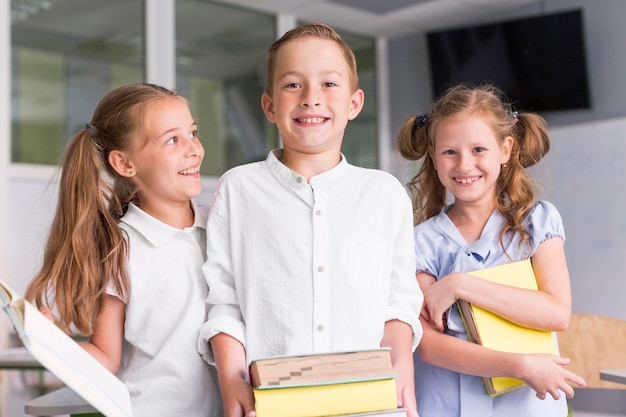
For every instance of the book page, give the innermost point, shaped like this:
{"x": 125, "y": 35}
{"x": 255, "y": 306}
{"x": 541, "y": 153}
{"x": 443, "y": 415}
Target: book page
{"x": 7, "y": 296}
{"x": 68, "y": 361}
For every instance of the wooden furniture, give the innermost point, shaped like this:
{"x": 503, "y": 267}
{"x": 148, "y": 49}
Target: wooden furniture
{"x": 596, "y": 345}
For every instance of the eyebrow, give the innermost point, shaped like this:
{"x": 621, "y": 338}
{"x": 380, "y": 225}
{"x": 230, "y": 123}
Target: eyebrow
{"x": 167, "y": 132}
{"x": 324, "y": 73}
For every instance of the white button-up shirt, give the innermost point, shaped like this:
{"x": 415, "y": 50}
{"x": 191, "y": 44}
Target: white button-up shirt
{"x": 296, "y": 267}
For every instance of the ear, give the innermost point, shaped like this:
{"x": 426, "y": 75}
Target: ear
{"x": 505, "y": 150}
{"x": 267, "y": 104}
{"x": 356, "y": 104}
{"x": 122, "y": 164}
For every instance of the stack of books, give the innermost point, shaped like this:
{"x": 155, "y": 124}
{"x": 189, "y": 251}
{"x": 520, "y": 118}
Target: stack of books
{"x": 357, "y": 383}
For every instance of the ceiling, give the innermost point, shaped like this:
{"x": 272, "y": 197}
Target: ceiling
{"x": 390, "y": 17}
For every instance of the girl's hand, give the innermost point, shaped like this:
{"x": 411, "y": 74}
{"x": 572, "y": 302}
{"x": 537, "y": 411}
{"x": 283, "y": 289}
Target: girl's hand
{"x": 545, "y": 374}
{"x": 439, "y": 297}
{"x": 424, "y": 313}
{"x": 47, "y": 313}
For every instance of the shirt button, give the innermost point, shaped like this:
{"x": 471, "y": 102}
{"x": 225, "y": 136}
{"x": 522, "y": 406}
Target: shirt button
{"x": 320, "y": 268}
{"x": 320, "y": 328}
{"x": 318, "y": 212}
{"x": 192, "y": 249}
{"x": 299, "y": 180}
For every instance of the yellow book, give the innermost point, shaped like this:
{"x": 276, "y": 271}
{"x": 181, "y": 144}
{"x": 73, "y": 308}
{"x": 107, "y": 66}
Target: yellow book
{"x": 497, "y": 333}
{"x": 316, "y": 400}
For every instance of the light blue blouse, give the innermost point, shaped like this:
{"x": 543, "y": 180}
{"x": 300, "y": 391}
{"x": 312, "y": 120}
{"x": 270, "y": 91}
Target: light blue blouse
{"x": 440, "y": 249}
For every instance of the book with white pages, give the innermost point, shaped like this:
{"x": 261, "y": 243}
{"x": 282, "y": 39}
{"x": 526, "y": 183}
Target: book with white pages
{"x": 60, "y": 354}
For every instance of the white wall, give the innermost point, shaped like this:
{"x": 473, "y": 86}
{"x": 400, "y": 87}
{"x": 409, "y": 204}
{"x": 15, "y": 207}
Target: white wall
{"x": 583, "y": 175}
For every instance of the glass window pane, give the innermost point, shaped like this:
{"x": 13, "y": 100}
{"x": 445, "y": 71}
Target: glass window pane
{"x": 220, "y": 67}
{"x": 360, "y": 142}
{"x": 65, "y": 55}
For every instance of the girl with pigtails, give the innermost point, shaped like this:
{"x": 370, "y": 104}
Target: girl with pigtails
{"x": 475, "y": 207}
{"x": 123, "y": 260}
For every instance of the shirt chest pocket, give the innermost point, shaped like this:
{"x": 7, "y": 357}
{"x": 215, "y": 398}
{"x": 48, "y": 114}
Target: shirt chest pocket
{"x": 364, "y": 262}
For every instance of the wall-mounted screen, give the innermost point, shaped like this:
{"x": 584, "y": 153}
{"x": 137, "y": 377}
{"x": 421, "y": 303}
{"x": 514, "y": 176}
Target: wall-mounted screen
{"x": 539, "y": 62}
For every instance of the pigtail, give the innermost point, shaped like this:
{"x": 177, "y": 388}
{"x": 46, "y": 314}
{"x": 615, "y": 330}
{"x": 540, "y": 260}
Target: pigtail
{"x": 516, "y": 188}
{"x": 413, "y": 142}
{"x": 533, "y": 139}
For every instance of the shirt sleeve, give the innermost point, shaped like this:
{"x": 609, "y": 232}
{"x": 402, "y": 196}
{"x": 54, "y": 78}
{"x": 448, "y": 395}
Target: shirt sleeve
{"x": 406, "y": 298}
{"x": 111, "y": 290}
{"x": 223, "y": 310}
{"x": 425, "y": 249}
{"x": 545, "y": 223}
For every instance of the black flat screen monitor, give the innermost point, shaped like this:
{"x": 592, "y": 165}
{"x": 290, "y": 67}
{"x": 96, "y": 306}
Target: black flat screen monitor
{"x": 539, "y": 62}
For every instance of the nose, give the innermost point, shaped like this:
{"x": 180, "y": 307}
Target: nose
{"x": 194, "y": 148}
{"x": 464, "y": 161}
{"x": 310, "y": 98}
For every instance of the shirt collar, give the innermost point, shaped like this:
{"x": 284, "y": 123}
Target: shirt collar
{"x": 481, "y": 249}
{"x": 154, "y": 230}
{"x": 295, "y": 179}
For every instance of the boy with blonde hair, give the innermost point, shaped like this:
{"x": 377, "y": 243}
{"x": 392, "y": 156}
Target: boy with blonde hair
{"x": 307, "y": 253}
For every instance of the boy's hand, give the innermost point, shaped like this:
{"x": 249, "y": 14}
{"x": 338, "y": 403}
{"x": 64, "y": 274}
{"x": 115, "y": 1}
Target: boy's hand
{"x": 398, "y": 336}
{"x": 237, "y": 394}
{"x": 238, "y": 399}
{"x": 406, "y": 398}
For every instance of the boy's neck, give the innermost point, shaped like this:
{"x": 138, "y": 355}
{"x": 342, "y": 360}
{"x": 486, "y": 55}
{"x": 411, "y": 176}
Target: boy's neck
{"x": 309, "y": 165}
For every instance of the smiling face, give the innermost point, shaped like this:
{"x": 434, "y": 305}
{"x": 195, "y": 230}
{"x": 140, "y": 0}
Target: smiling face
{"x": 468, "y": 157}
{"x": 312, "y": 99}
{"x": 165, "y": 161}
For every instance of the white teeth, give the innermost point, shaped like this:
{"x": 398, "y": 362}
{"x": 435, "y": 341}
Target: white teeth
{"x": 467, "y": 180}
{"x": 189, "y": 171}
{"x": 311, "y": 120}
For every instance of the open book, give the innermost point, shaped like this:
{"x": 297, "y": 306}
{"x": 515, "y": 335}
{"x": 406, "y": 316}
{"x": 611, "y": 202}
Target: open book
{"x": 64, "y": 357}
{"x": 497, "y": 333}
